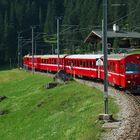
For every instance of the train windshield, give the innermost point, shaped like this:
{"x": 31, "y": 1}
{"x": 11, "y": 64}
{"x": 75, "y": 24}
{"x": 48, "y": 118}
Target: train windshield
{"x": 132, "y": 68}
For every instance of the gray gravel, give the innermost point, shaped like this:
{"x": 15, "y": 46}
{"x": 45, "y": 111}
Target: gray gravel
{"x": 129, "y": 115}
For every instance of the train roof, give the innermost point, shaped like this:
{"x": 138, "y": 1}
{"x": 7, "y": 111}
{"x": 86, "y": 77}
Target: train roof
{"x": 52, "y": 56}
{"x": 46, "y": 56}
{"x": 97, "y": 56}
{"x": 117, "y": 56}
{"x": 30, "y": 56}
{"x": 85, "y": 56}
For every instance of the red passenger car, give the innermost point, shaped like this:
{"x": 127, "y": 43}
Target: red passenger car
{"x": 28, "y": 62}
{"x": 83, "y": 65}
{"x": 123, "y": 70}
{"x": 50, "y": 62}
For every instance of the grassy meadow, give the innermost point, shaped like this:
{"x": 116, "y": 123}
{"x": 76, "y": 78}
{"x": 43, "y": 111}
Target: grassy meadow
{"x": 66, "y": 112}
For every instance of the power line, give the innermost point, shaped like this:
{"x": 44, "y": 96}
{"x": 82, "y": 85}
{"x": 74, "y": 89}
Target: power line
{"x": 131, "y": 12}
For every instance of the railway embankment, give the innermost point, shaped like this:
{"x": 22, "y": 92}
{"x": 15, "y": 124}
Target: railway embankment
{"x": 127, "y": 123}
{"x": 127, "y": 126}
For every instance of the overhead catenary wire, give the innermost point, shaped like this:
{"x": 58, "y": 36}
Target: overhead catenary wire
{"x": 131, "y": 12}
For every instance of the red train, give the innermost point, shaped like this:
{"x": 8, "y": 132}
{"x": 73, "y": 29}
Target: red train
{"x": 123, "y": 70}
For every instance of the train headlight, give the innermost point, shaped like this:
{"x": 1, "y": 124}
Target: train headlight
{"x": 128, "y": 82}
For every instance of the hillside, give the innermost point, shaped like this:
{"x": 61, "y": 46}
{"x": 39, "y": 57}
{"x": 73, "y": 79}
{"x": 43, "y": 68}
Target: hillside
{"x": 65, "y": 112}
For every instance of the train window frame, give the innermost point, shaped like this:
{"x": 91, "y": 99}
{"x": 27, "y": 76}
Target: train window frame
{"x": 73, "y": 62}
{"x": 86, "y": 64}
{"x": 78, "y": 63}
{"x": 60, "y": 61}
{"x": 132, "y": 71}
{"x": 81, "y": 63}
{"x": 55, "y": 61}
{"x": 111, "y": 66}
{"x": 122, "y": 68}
{"x": 90, "y": 64}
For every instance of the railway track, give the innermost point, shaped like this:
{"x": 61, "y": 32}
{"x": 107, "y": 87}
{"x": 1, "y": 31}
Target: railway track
{"x": 135, "y": 105}
{"x": 136, "y": 98}
{"x": 129, "y": 115}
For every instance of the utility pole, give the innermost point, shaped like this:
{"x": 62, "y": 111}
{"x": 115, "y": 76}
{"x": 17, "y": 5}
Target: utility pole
{"x": 102, "y": 35}
{"x": 58, "y": 43}
{"x": 19, "y": 50}
{"x": 32, "y": 27}
{"x": 10, "y": 63}
{"x": 52, "y": 49}
{"x": 105, "y": 56}
{"x": 105, "y": 116}
{"x": 35, "y": 46}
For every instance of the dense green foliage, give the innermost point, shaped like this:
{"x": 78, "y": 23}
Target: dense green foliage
{"x": 66, "y": 112}
{"x": 19, "y": 15}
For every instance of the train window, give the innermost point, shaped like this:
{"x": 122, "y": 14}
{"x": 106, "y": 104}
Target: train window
{"x": 61, "y": 61}
{"x": 49, "y": 61}
{"x": 69, "y": 62}
{"x": 81, "y": 63}
{"x": 90, "y": 63}
{"x": 111, "y": 66}
{"x": 121, "y": 68}
{"x": 86, "y": 64}
{"x": 54, "y": 61}
{"x": 94, "y": 64}
{"x": 77, "y": 63}
{"x": 132, "y": 68}
{"x": 74, "y": 63}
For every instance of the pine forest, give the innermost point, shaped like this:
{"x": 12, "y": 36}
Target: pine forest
{"x": 77, "y": 19}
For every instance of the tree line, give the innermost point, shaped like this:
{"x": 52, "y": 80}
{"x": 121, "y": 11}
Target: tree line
{"x": 78, "y": 18}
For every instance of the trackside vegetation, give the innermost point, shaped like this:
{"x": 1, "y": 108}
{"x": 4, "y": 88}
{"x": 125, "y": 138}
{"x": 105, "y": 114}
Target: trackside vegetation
{"x": 66, "y": 112}
{"x": 137, "y": 51}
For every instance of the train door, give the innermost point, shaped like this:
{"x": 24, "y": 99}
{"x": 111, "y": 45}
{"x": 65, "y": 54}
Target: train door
{"x": 99, "y": 63}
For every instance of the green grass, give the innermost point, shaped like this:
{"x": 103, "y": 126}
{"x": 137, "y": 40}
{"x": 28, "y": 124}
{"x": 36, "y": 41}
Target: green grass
{"x": 66, "y": 112}
{"x": 135, "y": 51}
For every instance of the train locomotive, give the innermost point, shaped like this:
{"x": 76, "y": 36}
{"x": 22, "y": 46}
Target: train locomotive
{"x": 123, "y": 69}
